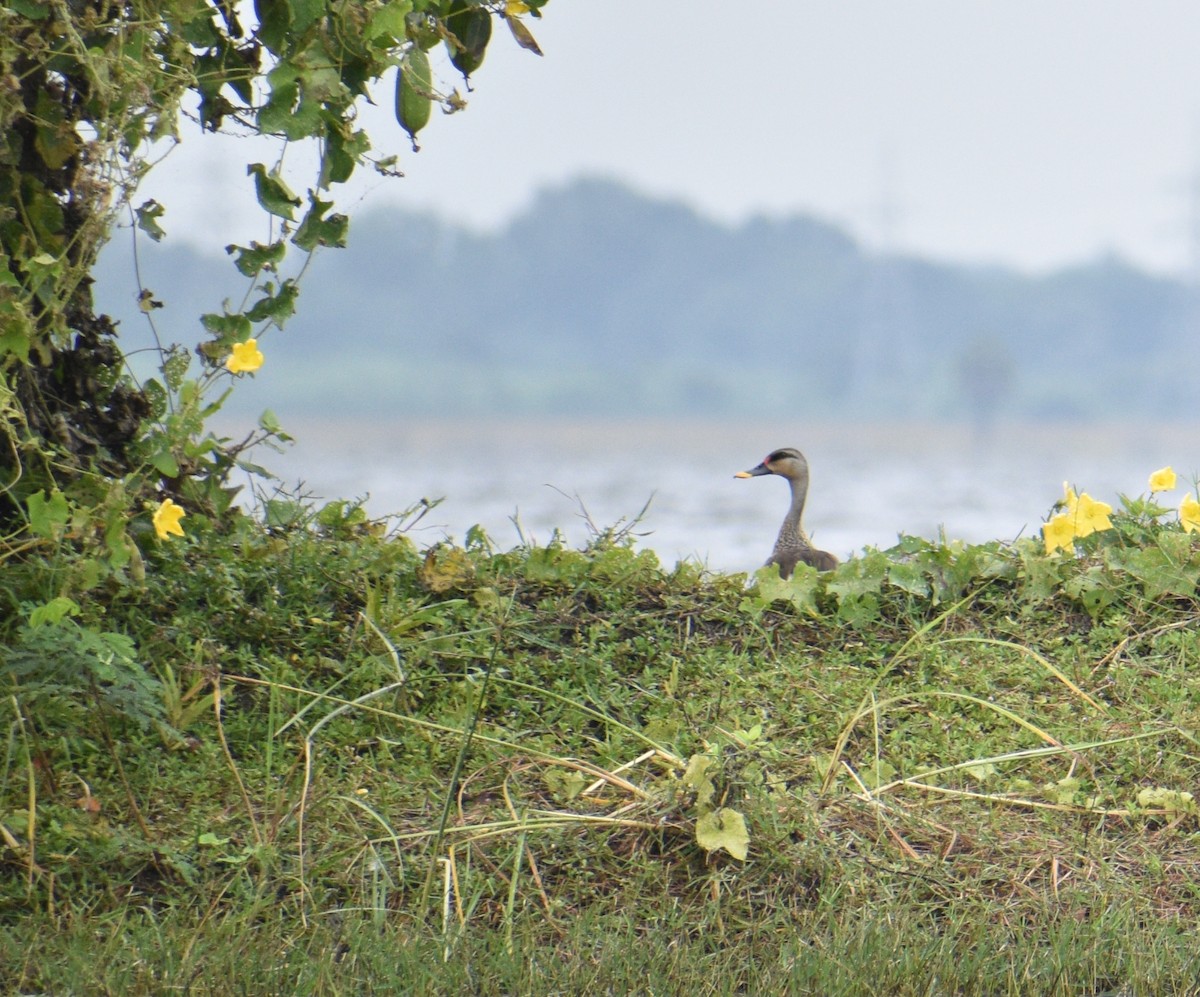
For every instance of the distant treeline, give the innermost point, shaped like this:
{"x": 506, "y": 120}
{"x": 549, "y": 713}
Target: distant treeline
{"x": 600, "y": 301}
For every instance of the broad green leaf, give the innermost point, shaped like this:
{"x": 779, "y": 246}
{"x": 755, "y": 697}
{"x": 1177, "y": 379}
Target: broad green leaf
{"x": 53, "y": 611}
{"x": 15, "y": 331}
{"x": 285, "y": 512}
{"x": 165, "y": 464}
{"x": 909, "y": 577}
{"x": 800, "y": 590}
{"x": 344, "y": 149}
{"x": 388, "y": 24}
{"x": 305, "y": 12}
{"x": 316, "y": 230}
{"x": 35, "y": 10}
{"x": 724, "y": 828}
{"x": 275, "y": 116}
{"x": 859, "y": 577}
{"x": 274, "y": 20}
{"x": 55, "y": 138}
{"x": 257, "y": 257}
{"x": 981, "y": 771}
{"x": 322, "y": 83}
{"x": 48, "y": 515}
{"x": 278, "y": 306}
{"x": 227, "y": 328}
{"x": 148, "y": 215}
{"x": 876, "y": 773}
{"x": 565, "y": 785}
{"x": 273, "y": 194}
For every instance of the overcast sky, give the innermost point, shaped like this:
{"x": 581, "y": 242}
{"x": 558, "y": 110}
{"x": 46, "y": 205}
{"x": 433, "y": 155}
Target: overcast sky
{"x": 1037, "y": 133}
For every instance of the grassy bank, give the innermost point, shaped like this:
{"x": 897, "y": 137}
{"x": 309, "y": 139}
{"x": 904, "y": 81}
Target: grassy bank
{"x": 311, "y": 759}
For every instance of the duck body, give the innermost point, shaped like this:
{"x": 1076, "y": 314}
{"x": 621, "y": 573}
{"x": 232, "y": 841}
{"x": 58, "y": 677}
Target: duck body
{"x": 792, "y": 546}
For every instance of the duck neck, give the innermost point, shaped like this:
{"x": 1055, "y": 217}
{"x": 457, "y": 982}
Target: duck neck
{"x": 791, "y": 534}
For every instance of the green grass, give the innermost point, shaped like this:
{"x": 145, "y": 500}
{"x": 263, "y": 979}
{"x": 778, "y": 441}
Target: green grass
{"x": 353, "y": 768}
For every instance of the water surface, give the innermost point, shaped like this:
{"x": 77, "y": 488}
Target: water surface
{"x": 869, "y": 483}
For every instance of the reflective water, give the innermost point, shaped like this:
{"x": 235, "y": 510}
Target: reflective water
{"x": 869, "y": 483}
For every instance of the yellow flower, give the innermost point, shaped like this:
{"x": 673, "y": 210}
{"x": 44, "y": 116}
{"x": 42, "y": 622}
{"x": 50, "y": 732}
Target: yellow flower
{"x": 246, "y": 357}
{"x": 1162, "y": 480}
{"x": 1059, "y": 534}
{"x": 1091, "y": 516}
{"x": 1189, "y": 513}
{"x": 166, "y": 519}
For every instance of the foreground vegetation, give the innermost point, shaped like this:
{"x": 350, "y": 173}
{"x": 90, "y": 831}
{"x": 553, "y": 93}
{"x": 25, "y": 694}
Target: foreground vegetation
{"x": 292, "y": 754}
{"x": 305, "y": 757}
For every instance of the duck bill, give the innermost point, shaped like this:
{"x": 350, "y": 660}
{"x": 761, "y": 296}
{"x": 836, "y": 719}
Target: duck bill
{"x": 754, "y": 472}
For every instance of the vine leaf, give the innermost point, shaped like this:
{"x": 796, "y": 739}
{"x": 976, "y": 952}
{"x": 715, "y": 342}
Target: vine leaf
{"x": 724, "y": 828}
{"x": 316, "y": 230}
{"x": 257, "y": 257}
{"x": 147, "y": 219}
{"x": 273, "y": 194}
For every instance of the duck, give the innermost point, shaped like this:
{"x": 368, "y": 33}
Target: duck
{"x": 792, "y": 545}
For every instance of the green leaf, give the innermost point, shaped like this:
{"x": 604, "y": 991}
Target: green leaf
{"x": 800, "y": 590}
{"x": 273, "y": 194}
{"x": 724, "y": 828}
{"x": 165, "y": 464}
{"x": 696, "y": 777}
{"x": 565, "y": 786}
{"x": 859, "y": 577}
{"x": 285, "y": 512}
{"x": 305, "y": 13}
{"x": 909, "y": 578}
{"x": 277, "y": 306}
{"x": 250, "y": 261}
{"x": 876, "y": 773}
{"x": 1161, "y": 572}
{"x": 982, "y": 771}
{"x": 274, "y": 19}
{"x": 227, "y": 328}
{"x": 7, "y": 277}
{"x": 1093, "y": 588}
{"x": 388, "y": 23}
{"x": 15, "y": 330}
{"x": 35, "y": 10}
{"x": 53, "y": 611}
{"x": 147, "y": 219}
{"x": 48, "y": 515}
{"x": 344, "y": 150}
{"x": 316, "y": 230}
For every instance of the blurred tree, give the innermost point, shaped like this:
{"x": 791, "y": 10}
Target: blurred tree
{"x": 986, "y": 373}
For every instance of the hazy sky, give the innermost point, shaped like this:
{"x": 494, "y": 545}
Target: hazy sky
{"x": 1031, "y": 132}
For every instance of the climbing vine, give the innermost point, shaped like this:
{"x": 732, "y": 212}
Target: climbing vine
{"x": 93, "y": 93}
